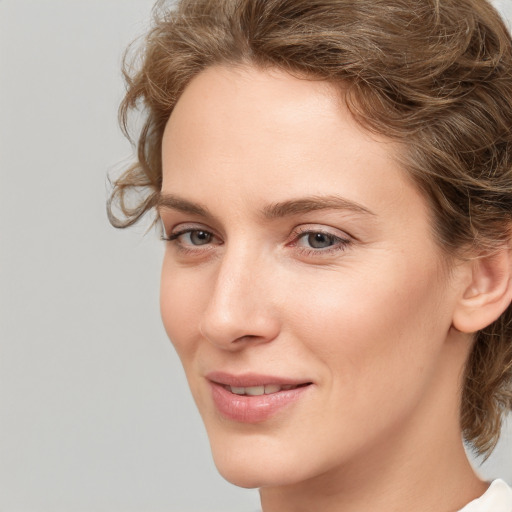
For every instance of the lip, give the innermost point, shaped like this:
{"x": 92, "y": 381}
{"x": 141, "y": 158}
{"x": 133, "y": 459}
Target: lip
{"x": 253, "y": 409}
{"x": 252, "y": 379}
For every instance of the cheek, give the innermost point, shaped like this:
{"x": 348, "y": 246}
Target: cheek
{"x": 180, "y": 308}
{"x": 373, "y": 330}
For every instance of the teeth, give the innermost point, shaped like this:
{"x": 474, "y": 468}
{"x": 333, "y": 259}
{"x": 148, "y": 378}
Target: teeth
{"x": 255, "y": 390}
{"x": 259, "y": 390}
{"x": 272, "y": 388}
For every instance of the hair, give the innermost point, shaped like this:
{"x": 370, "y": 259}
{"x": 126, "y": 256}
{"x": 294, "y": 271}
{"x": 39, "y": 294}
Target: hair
{"x": 433, "y": 75}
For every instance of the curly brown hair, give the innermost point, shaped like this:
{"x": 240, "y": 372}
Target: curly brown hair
{"x": 434, "y": 75}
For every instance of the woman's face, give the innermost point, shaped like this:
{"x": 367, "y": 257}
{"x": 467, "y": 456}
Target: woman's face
{"x": 301, "y": 287}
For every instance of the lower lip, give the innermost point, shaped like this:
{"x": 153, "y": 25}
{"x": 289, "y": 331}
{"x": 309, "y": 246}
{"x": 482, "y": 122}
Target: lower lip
{"x": 253, "y": 409}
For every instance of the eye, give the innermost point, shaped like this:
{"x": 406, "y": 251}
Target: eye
{"x": 192, "y": 237}
{"x": 319, "y": 240}
{"x": 312, "y": 241}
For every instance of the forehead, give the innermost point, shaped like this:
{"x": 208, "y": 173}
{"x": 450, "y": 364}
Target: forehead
{"x": 251, "y": 121}
{"x": 249, "y": 87}
{"x": 231, "y": 96}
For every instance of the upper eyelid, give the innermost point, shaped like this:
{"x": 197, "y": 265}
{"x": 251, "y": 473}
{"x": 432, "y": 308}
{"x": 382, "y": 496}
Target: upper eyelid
{"x": 173, "y": 235}
{"x": 326, "y": 230}
{"x": 325, "y": 233}
{"x": 183, "y": 227}
{"x": 337, "y": 241}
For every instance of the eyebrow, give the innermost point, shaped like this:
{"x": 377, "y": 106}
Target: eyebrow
{"x": 172, "y": 202}
{"x": 311, "y": 204}
{"x": 287, "y": 208}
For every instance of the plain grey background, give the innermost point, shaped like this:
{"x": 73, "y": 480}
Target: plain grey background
{"x": 95, "y": 414}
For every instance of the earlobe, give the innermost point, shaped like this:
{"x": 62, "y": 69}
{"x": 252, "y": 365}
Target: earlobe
{"x": 488, "y": 293}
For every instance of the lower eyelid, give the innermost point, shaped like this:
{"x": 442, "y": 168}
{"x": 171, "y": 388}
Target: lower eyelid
{"x": 335, "y": 243}
{"x": 323, "y": 253}
{"x": 177, "y": 234}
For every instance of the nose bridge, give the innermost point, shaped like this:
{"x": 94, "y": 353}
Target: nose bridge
{"x": 240, "y": 305}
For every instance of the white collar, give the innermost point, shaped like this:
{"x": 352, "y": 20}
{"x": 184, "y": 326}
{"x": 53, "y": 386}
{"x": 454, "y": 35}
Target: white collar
{"x": 497, "y": 498}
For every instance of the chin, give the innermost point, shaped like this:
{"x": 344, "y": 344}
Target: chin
{"x": 256, "y": 462}
{"x": 243, "y": 474}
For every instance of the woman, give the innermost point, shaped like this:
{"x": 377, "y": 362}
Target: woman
{"x": 334, "y": 182}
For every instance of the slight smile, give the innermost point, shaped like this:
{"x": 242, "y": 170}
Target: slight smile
{"x": 252, "y": 398}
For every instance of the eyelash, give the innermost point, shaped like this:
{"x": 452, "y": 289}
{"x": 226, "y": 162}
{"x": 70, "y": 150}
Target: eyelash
{"x": 184, "y": 248}
{"x": 338, "y": 243}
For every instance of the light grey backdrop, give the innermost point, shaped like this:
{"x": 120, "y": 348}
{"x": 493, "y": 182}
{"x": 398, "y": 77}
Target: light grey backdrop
{"x": 95, "y": 414}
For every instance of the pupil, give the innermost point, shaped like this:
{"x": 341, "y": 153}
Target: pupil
{"x": 319, "y": 240}
{"x": 200, "y": 237}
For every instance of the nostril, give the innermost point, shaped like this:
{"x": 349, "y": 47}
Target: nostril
{"x": 246, "y": 337}
{"x": 232, "y": 324}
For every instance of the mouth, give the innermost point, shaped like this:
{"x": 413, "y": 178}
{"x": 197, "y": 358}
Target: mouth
{"x": 254, "y": 398}
{"x": 267, "y": 389}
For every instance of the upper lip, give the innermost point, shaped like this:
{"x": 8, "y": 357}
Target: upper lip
{"x": 246, "y": 380}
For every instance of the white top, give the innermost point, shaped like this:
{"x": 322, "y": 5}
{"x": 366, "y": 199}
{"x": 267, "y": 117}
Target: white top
{"x": 498, "y": 498}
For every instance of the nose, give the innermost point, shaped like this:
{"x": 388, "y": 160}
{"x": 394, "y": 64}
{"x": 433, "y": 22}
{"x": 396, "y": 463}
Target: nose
{"x": 241, "y": 308}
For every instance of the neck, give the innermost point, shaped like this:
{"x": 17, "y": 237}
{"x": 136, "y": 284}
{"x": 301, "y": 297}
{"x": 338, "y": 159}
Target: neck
{"x": 422, "y": 466}
{"x": 436, "y": 479}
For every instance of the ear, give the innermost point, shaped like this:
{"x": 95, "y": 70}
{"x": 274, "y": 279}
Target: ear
{"x": 488, "y": 293}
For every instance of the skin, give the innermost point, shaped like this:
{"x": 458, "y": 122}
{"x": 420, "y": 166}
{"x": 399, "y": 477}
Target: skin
{"x": 367, "y": 320}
